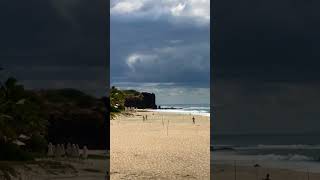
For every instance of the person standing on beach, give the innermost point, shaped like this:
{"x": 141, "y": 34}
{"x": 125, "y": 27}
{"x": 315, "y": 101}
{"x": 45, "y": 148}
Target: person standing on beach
{"x": 69, "y": 150}
{"x": 84, "y": 152}
{"x": 77, "y": 151}
{"x": 50, "y": 150}
{"x": 143, "y": 118}
{"x": 146, "y": 117}
{"x": 193, "y": 120}
{"x": 63, "y": 151}
{"x": 267, "y": 177}
{"x": 58, "y": 151}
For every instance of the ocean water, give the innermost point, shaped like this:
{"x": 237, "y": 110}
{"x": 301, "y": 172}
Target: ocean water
{"x": 296, "y": 152}
{"x": 193, "y": 109}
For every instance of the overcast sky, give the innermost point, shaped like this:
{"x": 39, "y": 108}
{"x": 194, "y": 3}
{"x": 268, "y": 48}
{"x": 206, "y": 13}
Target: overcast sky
{"x": 162, "y": 47}
{"x": 55, "y": 43}
{"x": 266, "y": 67}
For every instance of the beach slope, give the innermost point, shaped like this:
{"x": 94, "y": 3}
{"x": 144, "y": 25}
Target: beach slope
{"x": 165, "y": 146}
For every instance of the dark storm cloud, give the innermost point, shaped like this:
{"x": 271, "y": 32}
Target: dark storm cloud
{"x": 266, "y": 107}
{"x": 266, "y": 64}
{"x": 55, "y": 40}
{"x": 162, "y": 47}
{"x": 271, "y": 40}
{"x": 159, "y": 52}
{"x": 144, "y": 51}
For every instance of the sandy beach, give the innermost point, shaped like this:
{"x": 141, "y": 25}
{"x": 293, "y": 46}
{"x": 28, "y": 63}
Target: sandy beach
{"x": 165, "y": 146}
{"x": 93, "y": 168}
{"x": 228, "y": 172}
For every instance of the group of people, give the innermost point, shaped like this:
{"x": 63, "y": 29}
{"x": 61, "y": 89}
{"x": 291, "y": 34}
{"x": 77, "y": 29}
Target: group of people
{"x": 129, "y": 108}
{"x": 144, "y": 118}
{"x": 70, "y": 151}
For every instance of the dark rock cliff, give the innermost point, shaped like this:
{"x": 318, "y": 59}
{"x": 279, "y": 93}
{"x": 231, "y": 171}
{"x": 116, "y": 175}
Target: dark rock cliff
{"x": 142, "y": 101}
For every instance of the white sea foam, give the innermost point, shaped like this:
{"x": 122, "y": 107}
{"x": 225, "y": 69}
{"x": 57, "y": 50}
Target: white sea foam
{"x": 297, "y": 162}
{"x": 231, "y": 156}
{"x": 188, "y": 109}
{"x": 294, "y": 146}
{"x": 275, "y": 147}
{"x": 183, "y": 111}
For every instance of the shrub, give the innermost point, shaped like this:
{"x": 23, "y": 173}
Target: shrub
{"x": 12, "y": 152}
{"x": 36, "y": 144}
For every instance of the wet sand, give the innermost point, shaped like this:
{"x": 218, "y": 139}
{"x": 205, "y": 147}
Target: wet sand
{"x": 228, "y": 172}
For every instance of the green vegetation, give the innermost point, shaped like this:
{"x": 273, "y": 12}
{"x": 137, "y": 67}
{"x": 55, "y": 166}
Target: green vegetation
{"x": 21, "y": 115}
{"x": 29, "y": 119}
{"x": 118, "y": 99}
{"x": 12, "y": 152}
{"x": 76, "y": 117}
{"x": 131, "y": 92}
{"x": 72, "y": 96}
{"x": 133, "y": 95}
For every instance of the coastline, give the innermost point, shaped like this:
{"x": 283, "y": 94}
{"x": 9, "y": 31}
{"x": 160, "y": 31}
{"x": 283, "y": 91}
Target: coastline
{"x": 179, "y": 111}
{"x": 189, "y": 109}
{"x": 165, "y": 146}
{"x": 246, "y": 172}
{"x": 225, "y": 164}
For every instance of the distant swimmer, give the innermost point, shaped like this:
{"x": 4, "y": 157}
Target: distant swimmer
{"x": 193, "y": 119}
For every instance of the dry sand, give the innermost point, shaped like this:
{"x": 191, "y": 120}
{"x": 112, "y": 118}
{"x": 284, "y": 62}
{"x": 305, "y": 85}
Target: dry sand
{"x": 228, "y": 172}
{"x": 148, "y": 150}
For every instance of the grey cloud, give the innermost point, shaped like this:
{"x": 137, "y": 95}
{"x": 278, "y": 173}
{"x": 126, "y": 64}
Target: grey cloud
{"x": 188, "y": 60}
{"x": 265, "y": 107}
{"x": 176, "y": 12}
{"x": 178, "y": 64}
{"x": 61, "y": 37}
{"x": 265, "y": 73}
{"x": 267, "y": 40}
{"x": 157, "y": 51}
